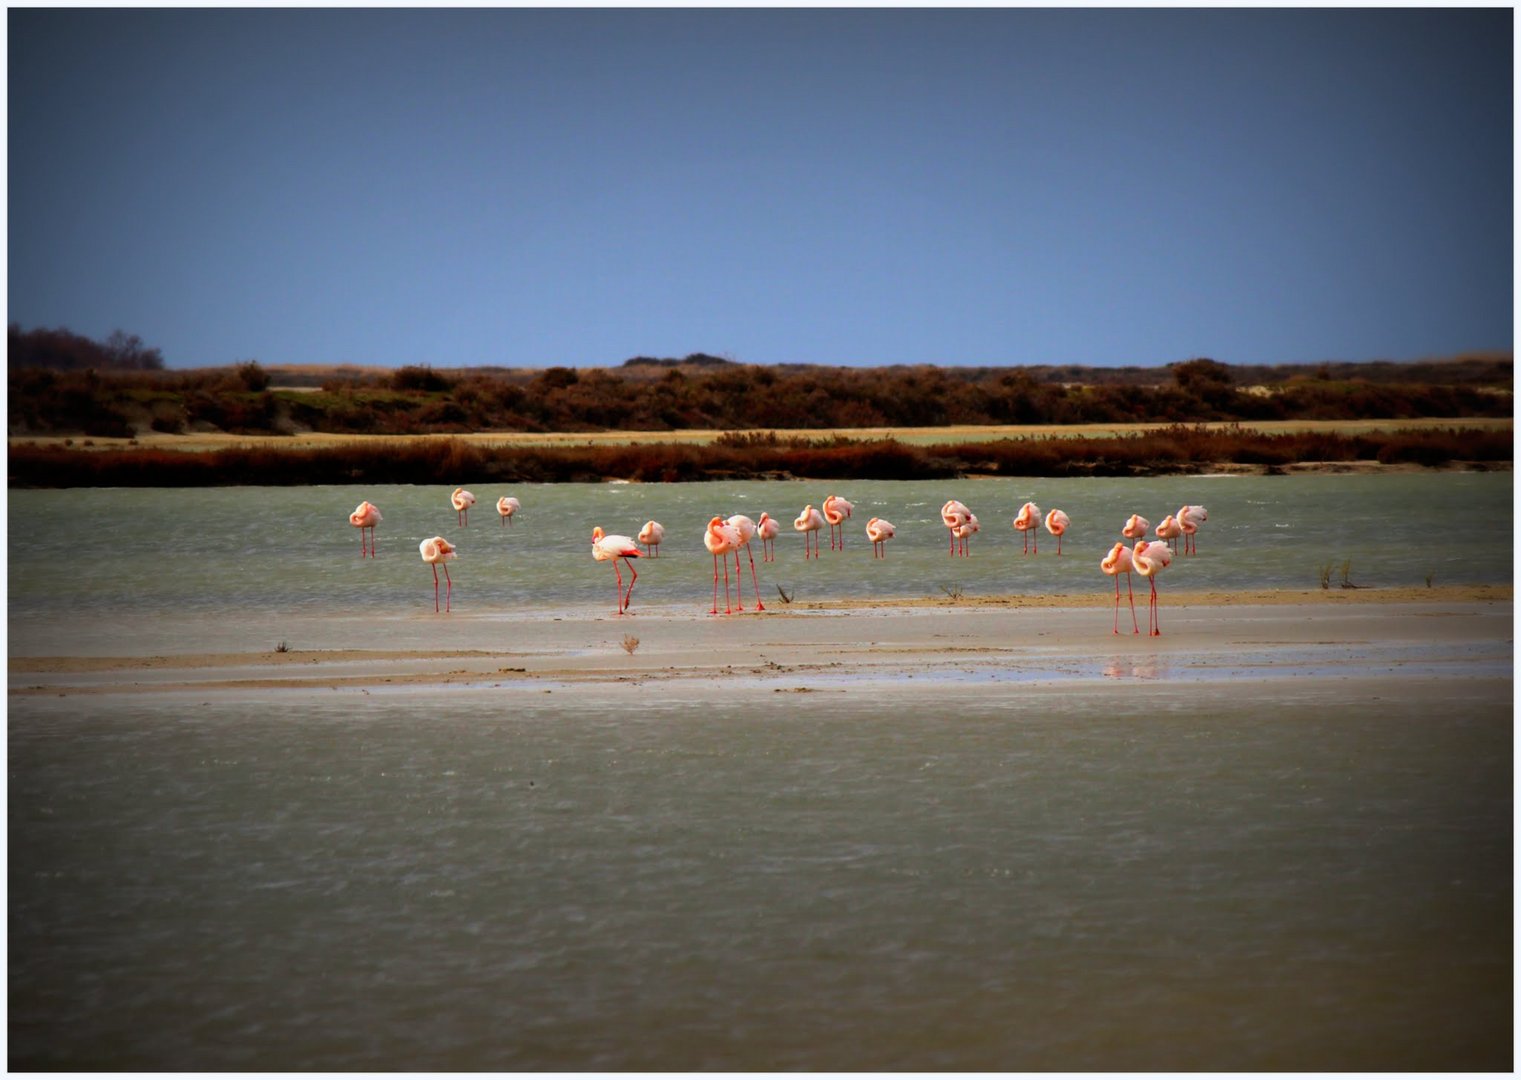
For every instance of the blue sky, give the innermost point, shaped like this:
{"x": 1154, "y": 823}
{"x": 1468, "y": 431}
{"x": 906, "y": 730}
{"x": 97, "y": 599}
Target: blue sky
{"x": 837, "y": 186}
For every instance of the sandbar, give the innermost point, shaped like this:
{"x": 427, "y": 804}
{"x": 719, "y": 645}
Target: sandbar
{"x": 911, "y": 646}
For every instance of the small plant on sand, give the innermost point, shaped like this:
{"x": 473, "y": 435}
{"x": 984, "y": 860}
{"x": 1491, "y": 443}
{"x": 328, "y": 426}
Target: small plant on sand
{"x": 630, "y": 643}
{"x": 953, "y": 590}
{"x": 1346, "y": 576}
{"x": 1325, "y": 576}
{"x": 783, "y": 593}
{"x": 282, "y": 647}
{"x": 1430, "y": 576}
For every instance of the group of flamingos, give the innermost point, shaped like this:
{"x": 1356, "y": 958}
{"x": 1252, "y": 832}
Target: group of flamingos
{"x": 728, "y": 536}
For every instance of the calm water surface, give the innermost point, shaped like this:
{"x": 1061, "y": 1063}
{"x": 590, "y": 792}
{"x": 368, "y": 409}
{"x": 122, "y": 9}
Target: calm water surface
{"x": 1293, "y": 875}
{"x": 458, "y": 881}
{"x": 256, "y": 550}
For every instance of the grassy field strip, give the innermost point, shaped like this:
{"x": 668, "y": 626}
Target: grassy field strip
{"x": 201, "y": 442}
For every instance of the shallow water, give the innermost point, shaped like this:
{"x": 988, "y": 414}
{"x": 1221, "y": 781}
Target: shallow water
{"x": 466, "y": 880}
{"x": 290, "y": 549}
{"x": 1119, "y": 864}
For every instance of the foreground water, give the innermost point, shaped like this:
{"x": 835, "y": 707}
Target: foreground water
{"x": 1305, "y": 878}
{"x": 290, "y": 549}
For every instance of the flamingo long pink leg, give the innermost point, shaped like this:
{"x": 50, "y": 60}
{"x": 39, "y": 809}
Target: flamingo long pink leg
{"x": 748, "y": 554}
{"x": 435, "y": 588}
{"x": 728, "y": 608}
{"x": 618, "y": 577}
{"x": 1155, "y": 623}
{"x": 633, "y": 577}
{"x": 448, "y": 589}
{"x": 714, "y": 610}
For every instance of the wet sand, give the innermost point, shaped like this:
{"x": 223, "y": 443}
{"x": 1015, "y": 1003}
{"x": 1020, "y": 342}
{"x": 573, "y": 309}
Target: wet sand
{"x": 908, "y": 646}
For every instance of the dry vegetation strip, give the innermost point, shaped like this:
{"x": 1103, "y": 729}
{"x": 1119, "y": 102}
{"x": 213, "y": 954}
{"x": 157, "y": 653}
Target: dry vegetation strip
{"x": 755, "y": 455}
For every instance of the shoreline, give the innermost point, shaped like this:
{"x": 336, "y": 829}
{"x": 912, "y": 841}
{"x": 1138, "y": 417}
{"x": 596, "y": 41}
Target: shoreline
{"x": 910, "y": 645}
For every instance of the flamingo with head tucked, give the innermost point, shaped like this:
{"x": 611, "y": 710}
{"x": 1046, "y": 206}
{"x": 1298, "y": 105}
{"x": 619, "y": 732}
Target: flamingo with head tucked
{"x": 745, "y": 529}
{"x": 953, "y": 515}
{"x": 366, "y": 516}
{"x": 836, "y": 510}
{"x": 1114, "y": 564}
{"x": 506, "y": 506}
{"x": 436, "y": 551}
{"x": 1150, "y": 558}
{"x": 1136, "y": 527}
{"x": 651, "y": 536}
{"x": 610, "y": 547}
{"x": 1168, "y": 529}
{"x": 767, "y": 529}
{"x": 462, "y": 501}
{"x": 1189, "y": 520}
{"x": 879, "y": 532}
{"x": 1027, "y": 523}
{"x": 810, "y": 521}
{"x": 1057, "y": 523}
{"x": 964, "y": 531}
{"x": 720, "y": 538}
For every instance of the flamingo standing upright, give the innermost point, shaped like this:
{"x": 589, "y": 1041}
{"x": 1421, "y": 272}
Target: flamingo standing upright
{"x": 462, "y": 501}
{"x": 1114, "y": 564}
{"x": 1168, "y": 529}
{"x": 610, "y": 547}
{"x": 1027, "y": 523}
{"x": 1189, "y": 520}
{"x": 1135, "y": 527}
{"x": 506, "y": 506}
{"x": 436, "y": 551}
{"x": 1150, "y": 558}
{"x": 720, "y": 539}
{"x": 767, "y": 529}
{"x": 651, "y": 536}
{"x": 836, "y": 510}
{"x": 953, "y": 515}
{"x": 879, "y": 532}
{"x": 746, "y": 530}
{"x": 810, "y": 521}
{"x": 1056, "y": 524}
{"x": 366, "y": 516}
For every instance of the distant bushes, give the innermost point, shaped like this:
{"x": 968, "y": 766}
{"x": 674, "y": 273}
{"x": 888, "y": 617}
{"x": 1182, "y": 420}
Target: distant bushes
{"x": 711, "y": 393}
{"x": 1175, "y": 449}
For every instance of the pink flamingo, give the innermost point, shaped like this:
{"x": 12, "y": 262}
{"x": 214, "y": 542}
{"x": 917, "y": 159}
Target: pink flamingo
{"x": 610, "y": 547}
{"x": 767, "y": 529}
{"x": 651, "y": 536}
{"x": 1150, "y": 558}
{"x": 879, "y": 532}
{"x": 953, "y": 515}
{"x": 747, "y": 530}
{"x": 1135, "y": 528}
{"x": 1114, "y": 564}
{"x": 506, "y": 506}
{"x": 1027, "y": 523}
{"x": 462, "y": 501}
{"x": 963, "y": 531}
{"x": 436, "y": 551}
{"x": 366, "y": 516}
{"x": 720, "y": 539}
{"x": 836, "y": 510}
{"x": 1056, "y": 524}
{"x": 1168, "y": 529}
{"x": 809, "y": 521}
{"x": 1189, "y": 520}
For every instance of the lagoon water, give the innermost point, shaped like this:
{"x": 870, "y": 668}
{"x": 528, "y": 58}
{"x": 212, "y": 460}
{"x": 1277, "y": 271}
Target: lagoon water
{"x": 287, "y": 549}
{"x": 1300, "y": 873}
